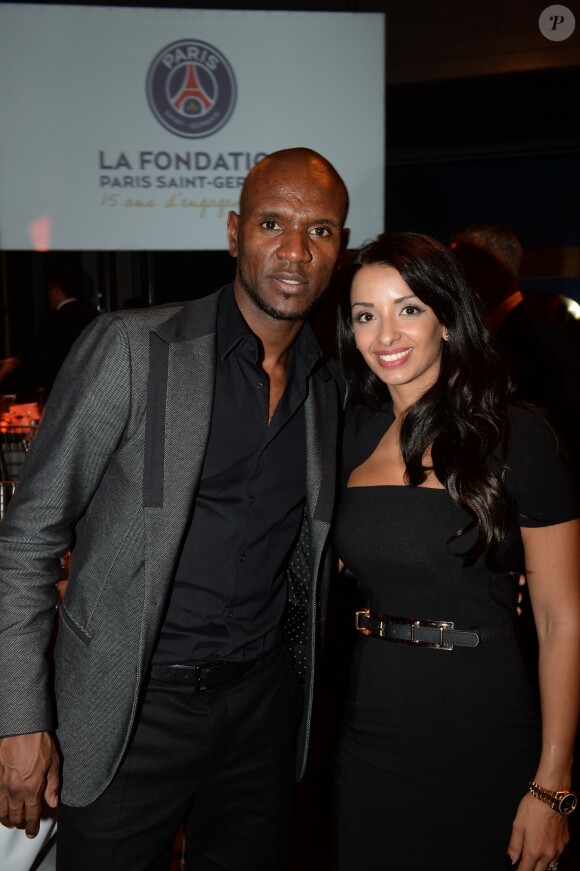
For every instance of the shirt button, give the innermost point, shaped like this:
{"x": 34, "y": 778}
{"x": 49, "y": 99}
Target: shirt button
{"x": 251, "y": 500}
{"x": 252, "y": 348}
{"x": 259, "y": 385}
{"x": 229, "y": 613}
{"x": 242, "y": 557}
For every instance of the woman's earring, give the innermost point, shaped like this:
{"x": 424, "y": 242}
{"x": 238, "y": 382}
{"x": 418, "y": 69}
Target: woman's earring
{"x": 446, "y": 337}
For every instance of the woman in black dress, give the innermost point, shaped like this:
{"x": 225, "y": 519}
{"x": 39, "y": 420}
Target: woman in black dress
{"x": 449, "y": 492}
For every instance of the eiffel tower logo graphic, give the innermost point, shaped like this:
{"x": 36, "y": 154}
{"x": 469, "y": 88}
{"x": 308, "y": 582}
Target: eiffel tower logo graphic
{"x": 191, "y": 99}
{"x": 191, "y": 88}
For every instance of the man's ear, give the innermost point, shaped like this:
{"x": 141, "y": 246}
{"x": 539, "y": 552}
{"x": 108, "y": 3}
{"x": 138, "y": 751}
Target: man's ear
{"x": 345, "y": 236}
{"x": 232, "y": 228}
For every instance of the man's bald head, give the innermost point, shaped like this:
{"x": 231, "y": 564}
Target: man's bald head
{"x": 291, "y": 161}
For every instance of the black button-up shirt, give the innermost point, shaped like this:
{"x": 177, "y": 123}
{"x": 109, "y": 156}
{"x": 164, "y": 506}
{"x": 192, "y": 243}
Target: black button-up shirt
{"x": 229, "y": 592}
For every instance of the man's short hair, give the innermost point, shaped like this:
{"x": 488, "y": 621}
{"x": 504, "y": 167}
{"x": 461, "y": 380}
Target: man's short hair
{"x": 495, "y": 238}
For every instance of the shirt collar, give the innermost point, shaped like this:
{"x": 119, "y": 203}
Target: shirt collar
{"x": 232, "y": 329}
{"x": 66, "y": 302}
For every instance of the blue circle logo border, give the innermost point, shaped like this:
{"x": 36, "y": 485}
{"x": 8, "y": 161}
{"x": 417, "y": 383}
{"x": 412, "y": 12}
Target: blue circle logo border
{"x": 223, "y": 105}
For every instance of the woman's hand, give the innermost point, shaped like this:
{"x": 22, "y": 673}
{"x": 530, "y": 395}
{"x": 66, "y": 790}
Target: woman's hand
{"x": 539, "y": 834}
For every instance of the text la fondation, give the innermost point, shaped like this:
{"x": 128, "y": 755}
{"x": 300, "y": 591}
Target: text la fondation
{"x": 191, "y": 160}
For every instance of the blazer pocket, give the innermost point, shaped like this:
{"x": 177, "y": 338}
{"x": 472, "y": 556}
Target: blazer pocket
{"x": 73, "y": 626}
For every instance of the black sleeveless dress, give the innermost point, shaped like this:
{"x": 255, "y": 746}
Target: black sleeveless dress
{"x": 437, "y": 747}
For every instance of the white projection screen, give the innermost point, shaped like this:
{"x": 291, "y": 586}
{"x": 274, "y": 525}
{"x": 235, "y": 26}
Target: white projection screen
{"x": 125, "y": 128}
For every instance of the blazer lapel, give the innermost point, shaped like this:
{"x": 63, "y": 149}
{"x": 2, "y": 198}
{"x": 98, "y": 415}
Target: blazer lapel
{"x": 179, "y": 407}
{"x": 321, "y": 437}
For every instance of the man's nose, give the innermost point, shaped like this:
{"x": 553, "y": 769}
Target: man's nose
{"x": 295, "y": 247}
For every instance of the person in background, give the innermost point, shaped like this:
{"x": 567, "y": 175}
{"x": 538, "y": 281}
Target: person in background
{"x": 67, "y": 316}
{"x": 449, "y": 491}
{"x": 69, "y": 313}
{"x": 190, "y": 451}
{"x": 542, "y": 351}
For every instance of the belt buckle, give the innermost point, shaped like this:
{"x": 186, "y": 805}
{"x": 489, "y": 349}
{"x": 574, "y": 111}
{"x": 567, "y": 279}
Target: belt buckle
{"x": 441, "y": 625}
{"x": 364, "y": 613}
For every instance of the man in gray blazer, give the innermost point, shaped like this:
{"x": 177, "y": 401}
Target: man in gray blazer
{"x": 188, "y": 452}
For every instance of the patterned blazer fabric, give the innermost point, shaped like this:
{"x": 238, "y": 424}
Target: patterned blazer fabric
{"x": 114, "y": 467}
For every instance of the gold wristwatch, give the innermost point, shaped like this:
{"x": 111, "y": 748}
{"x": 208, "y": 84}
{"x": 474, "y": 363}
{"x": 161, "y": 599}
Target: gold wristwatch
{"x": 563, "y": 801}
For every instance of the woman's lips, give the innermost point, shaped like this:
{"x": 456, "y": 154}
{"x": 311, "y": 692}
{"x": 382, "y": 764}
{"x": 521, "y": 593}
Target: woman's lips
{"x": 391, "y": 359}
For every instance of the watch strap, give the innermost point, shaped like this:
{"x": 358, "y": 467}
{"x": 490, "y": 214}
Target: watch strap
{"x": 554, "y": 797}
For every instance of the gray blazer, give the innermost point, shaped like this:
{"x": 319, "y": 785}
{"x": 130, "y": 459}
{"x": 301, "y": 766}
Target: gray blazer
{"x": 114, "y": 469}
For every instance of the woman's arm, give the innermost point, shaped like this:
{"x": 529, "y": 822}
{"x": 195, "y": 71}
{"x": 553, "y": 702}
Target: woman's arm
{"x": 552, "y": 556}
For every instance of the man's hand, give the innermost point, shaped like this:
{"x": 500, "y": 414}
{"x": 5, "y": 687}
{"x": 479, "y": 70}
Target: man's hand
{"x": 29, "y": 772}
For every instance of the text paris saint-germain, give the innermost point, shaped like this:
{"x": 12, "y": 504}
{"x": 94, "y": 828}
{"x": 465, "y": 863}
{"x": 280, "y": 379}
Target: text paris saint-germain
{"x": 123, "y": 171}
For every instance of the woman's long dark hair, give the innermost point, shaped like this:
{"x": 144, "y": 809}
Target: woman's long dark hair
{"x": 463, "y": 417}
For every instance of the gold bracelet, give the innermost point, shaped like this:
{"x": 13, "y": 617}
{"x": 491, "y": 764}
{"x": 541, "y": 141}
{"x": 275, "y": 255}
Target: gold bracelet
{"x": 563, "y": 801}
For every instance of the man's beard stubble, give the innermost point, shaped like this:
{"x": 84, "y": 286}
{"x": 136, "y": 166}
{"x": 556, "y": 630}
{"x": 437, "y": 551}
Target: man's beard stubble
{"x": 270, "y": 310}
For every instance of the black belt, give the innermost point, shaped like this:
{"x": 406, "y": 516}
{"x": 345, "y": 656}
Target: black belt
{"x": 205, "y": 676}
{"x": 438, "y": 634}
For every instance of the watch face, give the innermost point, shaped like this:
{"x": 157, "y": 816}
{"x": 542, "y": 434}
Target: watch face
{"x": 568, "y": 803}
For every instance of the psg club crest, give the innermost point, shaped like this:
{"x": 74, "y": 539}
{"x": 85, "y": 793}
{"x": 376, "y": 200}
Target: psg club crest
{"x": 191, "y": 88}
